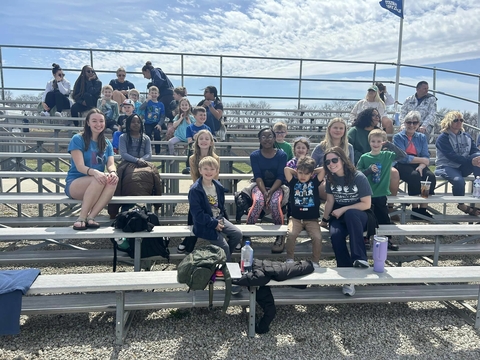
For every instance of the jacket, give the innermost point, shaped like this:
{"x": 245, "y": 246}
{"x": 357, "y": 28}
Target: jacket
{"x": 93, "y": 88}
{"x": 427, "y": 108}
{"x": 204, "y": 223}
{"x": 63, "y": 86}
{"x": 454, "y": 150}
{"x": 419, "y": 140}
{"x": 161, "y": 81}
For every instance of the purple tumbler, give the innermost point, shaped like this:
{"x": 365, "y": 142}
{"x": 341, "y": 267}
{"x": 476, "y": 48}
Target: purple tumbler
{"x": 380, "y": 246}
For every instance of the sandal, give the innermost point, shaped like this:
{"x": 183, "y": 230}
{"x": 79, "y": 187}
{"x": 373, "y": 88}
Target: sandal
{"x": 82, "y": 223}
{"x": 91, "y": 223}
{"x": 472, "y": 211}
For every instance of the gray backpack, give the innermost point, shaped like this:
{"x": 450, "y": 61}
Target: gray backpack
{"x": 198, "y": 268}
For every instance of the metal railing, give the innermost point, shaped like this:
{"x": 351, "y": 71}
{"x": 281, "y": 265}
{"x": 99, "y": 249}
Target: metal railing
{"x": 223, "y": 72}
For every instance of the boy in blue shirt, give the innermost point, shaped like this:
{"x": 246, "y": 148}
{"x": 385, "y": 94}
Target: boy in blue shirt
{"x": 154, "y": 115}
{"x": 200, "y": 115}
{"x": 207, "y": 207}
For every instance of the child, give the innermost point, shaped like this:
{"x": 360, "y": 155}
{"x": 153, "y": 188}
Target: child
{"x": 178, "y": 93}
{"x": 301, "y": 146}
{"x": 304, "y": 206}
{"x": 207, "y": 207}
{"x": 200, "y": 115}
{"x": 108, "y": 107}
{"x": 154, "y": 116}
{"x": 180, "y": 124}
{"x": 379, "y": 177}
{"x": 134, "y": 95}
{"x": 128, "y": 106}
{"x": 203, "y": 146}
{"x": 280, "y": 130}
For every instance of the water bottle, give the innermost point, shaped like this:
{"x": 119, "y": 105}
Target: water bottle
{"x": 476, "y": 187}
{"x": 246, "y": 262}
{"x": 122, "y": 243}
{"x": 376, "y": 176}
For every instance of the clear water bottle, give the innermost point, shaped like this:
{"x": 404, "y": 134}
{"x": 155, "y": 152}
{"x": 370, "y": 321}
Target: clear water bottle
{"x": 376, "y": 176}
{"x": 246, "y": 261}
{"x": 476, "y": 187}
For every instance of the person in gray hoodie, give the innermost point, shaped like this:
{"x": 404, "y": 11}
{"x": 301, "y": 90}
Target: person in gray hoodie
{"x": 457, "y": 156}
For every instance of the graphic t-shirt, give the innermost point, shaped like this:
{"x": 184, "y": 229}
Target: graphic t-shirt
{"x": 154, "y": 112}
{"x": 304, "y": 199}
{"x": 92, "y": 157}
{"x": 212, "y": 198}
{"x": 348, "y": 194}
{"x": 385, "y": 159}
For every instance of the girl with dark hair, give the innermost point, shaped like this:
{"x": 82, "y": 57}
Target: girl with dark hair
{"x": 347, "y": 210}
{"x": 268, "y": 165}
{"x": 134, "y": 146}
{"x": 162, "y": 82}
{"x": 214, "y": 107}
{"x": 86, "y": 92}
{"x": 56, "y": 93}
{"x": 91, "y": 154}
{"x": 384, "y": 95}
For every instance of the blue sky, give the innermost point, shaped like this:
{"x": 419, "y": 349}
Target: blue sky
{"x": 441, "y": 33}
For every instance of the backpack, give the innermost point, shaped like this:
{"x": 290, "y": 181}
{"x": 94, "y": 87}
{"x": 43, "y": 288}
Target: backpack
{"x": 197, "y": 270}
{"x": 136, "y": 220}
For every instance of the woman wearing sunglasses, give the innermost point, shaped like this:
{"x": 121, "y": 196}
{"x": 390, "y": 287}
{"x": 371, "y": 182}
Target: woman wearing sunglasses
{"x": 120, "y": 86}
{"x": 347, "y": 210}
{"x": 56, "y": 93}
{"x": 457, "y": 157}
{"x": 86, "y": 92}
{"x": 414, "y": 168}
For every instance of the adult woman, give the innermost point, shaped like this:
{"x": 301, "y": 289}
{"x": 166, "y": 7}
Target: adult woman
{"x": 373, "y": 100}
{"x": 268, "y": 165}
{"x": 56, "y": 93}
{"x": 121, "y": 86}
{"x": 457, "y": 156}
{"x": 384, "y": 95}
{"x": 86, "y": 92}
{"x": 86, "y": 180}
{"x": 347, "y": 210}
{"x": 137, "y": 176}
{"x": 214, "y": 107}
{"x": 336, "y": 136}
{"x": 414, "y": 168}
{"x": 163, "y": 83}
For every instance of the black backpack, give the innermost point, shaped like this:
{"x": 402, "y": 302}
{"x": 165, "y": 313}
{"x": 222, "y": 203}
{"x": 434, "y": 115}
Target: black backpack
{"x": 140, "y": 219}
{"x": 197, "y": 270}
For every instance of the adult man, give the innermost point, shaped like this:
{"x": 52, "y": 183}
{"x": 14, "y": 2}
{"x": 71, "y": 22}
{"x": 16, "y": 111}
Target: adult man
{"x": 424, "y": 103}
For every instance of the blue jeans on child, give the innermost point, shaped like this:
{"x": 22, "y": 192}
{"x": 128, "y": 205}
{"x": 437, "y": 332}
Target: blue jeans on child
{"x": 233, "y": 234}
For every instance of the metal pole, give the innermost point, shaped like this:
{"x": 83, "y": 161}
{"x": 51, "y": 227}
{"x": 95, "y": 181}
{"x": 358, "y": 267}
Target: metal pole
{"x": 221, "y": 76}
{"x": 374, "y": 72}
{"x": 478, "y": 106}
{"x": 300, "y": 85}
{"x": 434, "y": 79}
{"x": 91, "y": 58}
{"x": 181, "y": 60}
{"x": 1, "y": 75}
{"x": 399, "y": 57}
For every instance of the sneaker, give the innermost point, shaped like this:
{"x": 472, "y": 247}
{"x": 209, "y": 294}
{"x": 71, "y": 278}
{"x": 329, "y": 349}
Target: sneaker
{"x": 278, "y": 245}
{"x": 59, "y": 114}
{"x": 316, "y": 265}
{"x": 238, "y": 247}
{"x": 348, "y": 290}
{"x": 366, "y": 240}
{"x": 181, "y": 248}
{"x": 186, "y": 171}
{"x": 236, "y": 289}
{"x": 44, "y": 113}
{"x": 392, "y": 246}
{"x": 290, "y": 261}
{"x": 421, "y": 211}
{"x": 361, "y": 264}
{"x": 219, "y": 274}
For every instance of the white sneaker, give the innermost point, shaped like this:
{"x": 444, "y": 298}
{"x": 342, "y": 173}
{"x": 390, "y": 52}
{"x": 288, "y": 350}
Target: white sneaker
{"x": 316, "y": 265}
{"x": 59, "y": 114}
{"x": 44, "y": 113}
{"x": 361, "y": 264}
{"x": 290, "y": 261}
{"x": 348, "y": 290}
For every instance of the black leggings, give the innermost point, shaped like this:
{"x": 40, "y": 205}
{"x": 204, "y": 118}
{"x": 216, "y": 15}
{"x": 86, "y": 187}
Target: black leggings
{"x": 58, "y": 100}
{"x": 149, "y": 129}
{"x": 412, "y": 178}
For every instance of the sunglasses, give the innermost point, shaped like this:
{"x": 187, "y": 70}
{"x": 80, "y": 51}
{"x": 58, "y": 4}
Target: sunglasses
{"x": 412, "y": 122}
{"x": 61, "y": 75}
{"x": 375, "y": 116}
{"x": 457, "y": 120}
{"x": 334, "y": 160}
{"x": 121, "y": 75}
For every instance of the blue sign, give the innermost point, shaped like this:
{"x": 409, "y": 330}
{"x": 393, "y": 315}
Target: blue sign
{"x": 394, "y": 6}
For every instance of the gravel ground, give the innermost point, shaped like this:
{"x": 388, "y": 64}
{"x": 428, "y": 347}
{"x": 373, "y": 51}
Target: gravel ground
{"x": 377, "y": 331}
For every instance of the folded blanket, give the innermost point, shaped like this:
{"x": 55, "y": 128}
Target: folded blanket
{"x": 13, "y": 284}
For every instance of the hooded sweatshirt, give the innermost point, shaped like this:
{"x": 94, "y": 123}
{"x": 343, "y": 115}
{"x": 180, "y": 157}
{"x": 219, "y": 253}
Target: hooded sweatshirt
{"x": 454, "y": 150}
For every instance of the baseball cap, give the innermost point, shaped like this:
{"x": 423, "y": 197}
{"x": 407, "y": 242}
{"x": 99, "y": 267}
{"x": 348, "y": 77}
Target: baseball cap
{"x": 128, "y": 102}
{"x": 373, "y": 87}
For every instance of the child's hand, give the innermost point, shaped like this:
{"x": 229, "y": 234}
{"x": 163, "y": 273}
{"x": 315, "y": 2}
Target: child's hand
{"x": 220, "y": 226}
{"x": 158, "y": 127}
{"x": 374, "y": 168}
{"x": 104, "y": 101}
{"x": 149, "y": 97}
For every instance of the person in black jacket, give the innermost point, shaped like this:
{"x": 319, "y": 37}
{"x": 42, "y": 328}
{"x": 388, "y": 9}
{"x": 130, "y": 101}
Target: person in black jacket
{"x": 162, "y": 82}
{"x": 86, "y": 92}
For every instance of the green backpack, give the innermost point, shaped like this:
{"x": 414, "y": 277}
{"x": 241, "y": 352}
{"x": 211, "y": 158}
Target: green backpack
{"x": 198, "y": 268}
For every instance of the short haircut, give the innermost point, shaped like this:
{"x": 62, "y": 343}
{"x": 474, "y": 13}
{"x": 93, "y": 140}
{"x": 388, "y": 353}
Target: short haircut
{"x": 280, "y": 126}
{"x": 134, "y": 91}
{"x": 121, "y": 69}
{"x": 107, "y": 87}
{"x": 209, "y": 161}
{"x": 306, "y": 165}
{"x": 198, "y": 109}
{"x": 377, "y": 133}
{"x": 421, "y": 83}
{"x": 153, "y": 88}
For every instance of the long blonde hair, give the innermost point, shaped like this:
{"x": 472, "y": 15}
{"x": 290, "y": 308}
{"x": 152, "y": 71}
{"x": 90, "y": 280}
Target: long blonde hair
{"x": 448, "y": 120}
{"x": 327, "y": 143}
{"x": 196, "y": 157}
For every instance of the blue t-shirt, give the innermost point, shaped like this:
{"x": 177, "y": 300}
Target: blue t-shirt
{"x": 154, "y": 113}
{"x": 192, "y": 129}
{"x": 181, "y": 130}
{"x": 92, "y": 157}
{"x": 269, "y": 170}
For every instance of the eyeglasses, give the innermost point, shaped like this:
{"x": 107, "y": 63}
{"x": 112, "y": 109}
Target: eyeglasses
{"x": 121, "y": 75}
{"x": 412, "y": 122}
{"x": 280, "y": 132}
{"x": 334, "y": 160}
{"x": 88, "y": 71}
{"x": 457, "y": 120}
{"x": 266, "y": 137}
